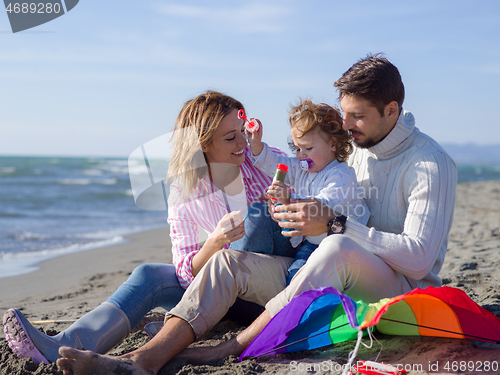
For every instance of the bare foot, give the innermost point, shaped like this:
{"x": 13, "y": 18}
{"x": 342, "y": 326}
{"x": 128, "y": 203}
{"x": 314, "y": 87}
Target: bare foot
{"x": 206, "y": 354}
{"x": 79, "y": 362}
{"x": 201, "y": 354}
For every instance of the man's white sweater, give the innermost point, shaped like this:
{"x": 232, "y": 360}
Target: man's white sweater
{"x": 409, "y": 185}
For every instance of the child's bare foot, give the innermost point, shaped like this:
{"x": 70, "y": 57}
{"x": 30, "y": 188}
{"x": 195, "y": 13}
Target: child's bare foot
{"x": 79, "y": 362}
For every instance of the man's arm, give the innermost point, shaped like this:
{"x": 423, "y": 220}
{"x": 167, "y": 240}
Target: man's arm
{"x": 429, "y": 187}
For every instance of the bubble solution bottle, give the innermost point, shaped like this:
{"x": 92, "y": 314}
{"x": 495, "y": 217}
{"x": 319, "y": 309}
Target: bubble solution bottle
{"x": 279, "y": 175}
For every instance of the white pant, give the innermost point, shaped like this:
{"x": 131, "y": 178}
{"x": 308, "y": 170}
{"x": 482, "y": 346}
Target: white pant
{"x": 338, "y": 261}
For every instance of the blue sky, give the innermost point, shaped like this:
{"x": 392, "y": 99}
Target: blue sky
{"x": 111, "y": 75}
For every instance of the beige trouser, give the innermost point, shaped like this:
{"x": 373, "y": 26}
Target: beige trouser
{"x": 338, "y": 261}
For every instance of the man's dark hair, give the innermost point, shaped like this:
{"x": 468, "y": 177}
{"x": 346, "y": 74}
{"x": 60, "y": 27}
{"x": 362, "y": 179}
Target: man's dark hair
{"x": 375, "y": 79}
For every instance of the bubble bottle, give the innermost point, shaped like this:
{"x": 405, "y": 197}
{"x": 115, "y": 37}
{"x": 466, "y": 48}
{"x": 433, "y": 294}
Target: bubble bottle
{"x": 279, "y": 175}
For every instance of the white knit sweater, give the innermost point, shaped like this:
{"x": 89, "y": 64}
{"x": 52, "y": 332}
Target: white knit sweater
{"x": 409, "y": 184}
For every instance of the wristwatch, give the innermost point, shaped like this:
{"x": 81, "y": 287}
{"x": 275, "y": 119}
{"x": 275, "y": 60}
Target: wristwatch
{"x": 337, "y": 225}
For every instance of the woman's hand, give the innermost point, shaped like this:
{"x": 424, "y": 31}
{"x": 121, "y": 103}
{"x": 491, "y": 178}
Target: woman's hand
{"x": 255, "y": 139}
{"x": 229, "y": 229}
{"x": 279, "y": 191}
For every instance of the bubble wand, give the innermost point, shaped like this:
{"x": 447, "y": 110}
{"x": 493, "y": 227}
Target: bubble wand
{"x": 251, "y": 126}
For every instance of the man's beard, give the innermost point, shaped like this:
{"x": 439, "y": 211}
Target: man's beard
{"x": 366, "y": 144}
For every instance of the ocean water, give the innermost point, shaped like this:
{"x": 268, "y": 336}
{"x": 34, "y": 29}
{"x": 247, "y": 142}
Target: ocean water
{"x": 51, "y": 206}
{"x": 478, "y": 172}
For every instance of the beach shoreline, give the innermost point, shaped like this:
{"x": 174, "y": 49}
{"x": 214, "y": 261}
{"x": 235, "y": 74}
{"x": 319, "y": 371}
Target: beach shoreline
{"x": 85, "y": 277}
{"x": 68, "y": 286}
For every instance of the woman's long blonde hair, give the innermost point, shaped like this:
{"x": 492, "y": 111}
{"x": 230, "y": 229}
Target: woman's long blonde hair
{"x": 194, "y": 129}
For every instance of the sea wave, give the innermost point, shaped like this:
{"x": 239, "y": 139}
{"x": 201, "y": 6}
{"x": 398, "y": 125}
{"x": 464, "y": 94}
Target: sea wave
{"x": 7, "y": 170}
{"x": 87, "y": 181}
{"x": 10, "y": 214}
{"x": 75, "y": 181}
{"x": 61, "y": 250}
{"x": 92, "y": 172}
{"x": 12, "y": 264}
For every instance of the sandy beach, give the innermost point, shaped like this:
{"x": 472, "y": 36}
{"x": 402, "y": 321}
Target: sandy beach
{"x": 69, "y": 286}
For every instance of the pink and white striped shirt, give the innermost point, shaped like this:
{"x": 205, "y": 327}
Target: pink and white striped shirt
{"x": 204, "y": 208}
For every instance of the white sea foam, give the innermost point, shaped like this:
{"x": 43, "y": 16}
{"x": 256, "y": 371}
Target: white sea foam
{"x": 8, "y": 170}
{"x": 92, "y": 172}
{"x": 75, "y": 181}
{"x": 108, "y": 181}
{"x": 87, "y": 181}
{"x": 12, "y": 264}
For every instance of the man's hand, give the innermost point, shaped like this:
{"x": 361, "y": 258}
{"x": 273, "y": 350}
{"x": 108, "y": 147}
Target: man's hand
{"x": 308, "y": 217}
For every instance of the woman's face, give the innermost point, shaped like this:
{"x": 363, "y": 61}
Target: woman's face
{"x": 229, "y": 141}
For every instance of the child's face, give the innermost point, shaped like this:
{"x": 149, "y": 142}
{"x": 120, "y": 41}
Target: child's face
{"x": 314, "y": 146}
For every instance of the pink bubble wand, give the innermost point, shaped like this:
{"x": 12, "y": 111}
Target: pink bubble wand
{"x": 251, "y": 126}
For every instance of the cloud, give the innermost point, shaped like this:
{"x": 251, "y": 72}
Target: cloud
{"x": 245, "y": 18}
{"x": 490, "y": 69}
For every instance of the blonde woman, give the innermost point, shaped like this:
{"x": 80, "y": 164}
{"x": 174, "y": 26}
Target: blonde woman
{"x": 214, "y": 181}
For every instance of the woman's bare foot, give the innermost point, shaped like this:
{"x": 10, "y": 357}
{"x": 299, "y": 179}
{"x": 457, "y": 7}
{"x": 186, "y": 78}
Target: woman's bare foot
{"x": 79, "y": 362}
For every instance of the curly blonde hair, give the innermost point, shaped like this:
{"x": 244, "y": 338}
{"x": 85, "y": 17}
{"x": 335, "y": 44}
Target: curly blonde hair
{"x": 307, "y": 116}
{"x": 194, "y": 129}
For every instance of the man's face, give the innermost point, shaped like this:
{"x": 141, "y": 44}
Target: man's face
{"x": 364, "y": 122}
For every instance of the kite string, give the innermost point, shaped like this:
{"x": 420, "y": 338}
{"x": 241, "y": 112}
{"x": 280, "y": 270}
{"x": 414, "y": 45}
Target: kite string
{"x": 381, "y": 345}
{"x": 353, "y": 354}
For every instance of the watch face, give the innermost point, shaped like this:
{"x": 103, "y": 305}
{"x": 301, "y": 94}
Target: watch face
{"x": 336, "y": 226}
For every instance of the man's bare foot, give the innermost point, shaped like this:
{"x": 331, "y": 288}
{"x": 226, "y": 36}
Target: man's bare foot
{"x": 204, "y": 354}
{"x": 201, "y": 354}
{"x": 235, "y": 346}
{"x": 79, "y": 362}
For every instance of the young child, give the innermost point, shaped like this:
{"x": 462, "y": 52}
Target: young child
{"x": 318, "y": 171}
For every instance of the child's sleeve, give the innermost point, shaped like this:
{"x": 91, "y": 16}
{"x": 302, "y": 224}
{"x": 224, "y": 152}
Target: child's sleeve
{"x": 267, "y": 160}
{"x": 342, "y": 193}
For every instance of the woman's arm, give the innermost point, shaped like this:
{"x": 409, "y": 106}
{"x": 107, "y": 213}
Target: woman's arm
{"x": 188, "y": 256}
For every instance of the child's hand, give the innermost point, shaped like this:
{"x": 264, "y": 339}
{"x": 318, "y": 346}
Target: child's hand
{"x": 255, "y": 139}
{"x": 278, "y": 190}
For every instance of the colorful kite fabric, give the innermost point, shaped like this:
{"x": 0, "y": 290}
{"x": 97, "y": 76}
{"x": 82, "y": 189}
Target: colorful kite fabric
{"x": 324, "y": 316}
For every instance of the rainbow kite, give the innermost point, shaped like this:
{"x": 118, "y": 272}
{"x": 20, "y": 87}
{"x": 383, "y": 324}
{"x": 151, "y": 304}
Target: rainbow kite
{"x": 323, "y": 316}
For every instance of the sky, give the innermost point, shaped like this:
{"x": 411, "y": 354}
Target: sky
{"x": 109, "y": 76}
